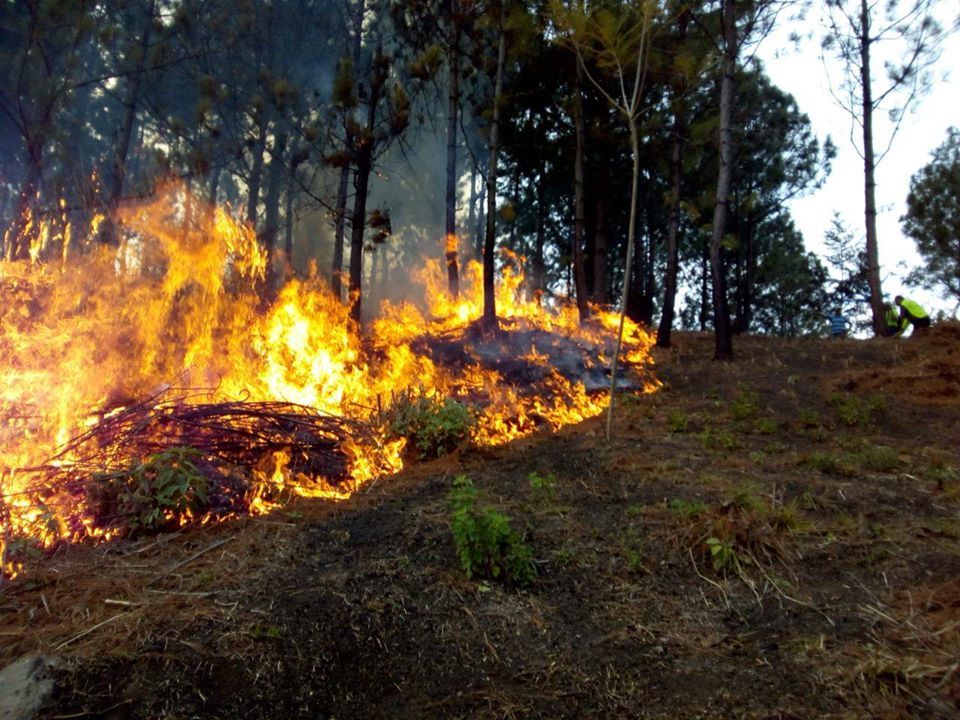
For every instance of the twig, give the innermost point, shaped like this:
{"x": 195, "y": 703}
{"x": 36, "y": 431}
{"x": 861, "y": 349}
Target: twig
{"x": 93, "y": 712}
{"x": 949, "y": 674}
{"x": 718, "y": 586}
{"x": 86, "y": 632}
{"x": 190, "y": 559}
{"x": 476, "y": 626}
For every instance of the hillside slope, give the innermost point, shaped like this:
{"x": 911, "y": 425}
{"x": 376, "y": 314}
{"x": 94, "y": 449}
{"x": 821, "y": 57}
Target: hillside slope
{"x": 777, "y": 537}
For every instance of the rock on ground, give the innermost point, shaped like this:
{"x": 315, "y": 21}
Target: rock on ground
{"x": 25, "y": 685}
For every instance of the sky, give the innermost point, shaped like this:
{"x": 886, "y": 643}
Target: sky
{"x": 801, "y": 72}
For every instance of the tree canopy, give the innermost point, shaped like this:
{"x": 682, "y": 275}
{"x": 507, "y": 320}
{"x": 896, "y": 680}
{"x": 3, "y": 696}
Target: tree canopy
{"x": 933, "y": 216}
{"x": 363, "y": 136}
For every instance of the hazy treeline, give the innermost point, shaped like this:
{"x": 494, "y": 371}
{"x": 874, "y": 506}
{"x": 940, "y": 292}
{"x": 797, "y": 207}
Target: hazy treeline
{"x": 359, "y": 134}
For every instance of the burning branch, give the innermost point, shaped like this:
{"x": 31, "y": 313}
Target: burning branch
{"x": 181, "y": 460}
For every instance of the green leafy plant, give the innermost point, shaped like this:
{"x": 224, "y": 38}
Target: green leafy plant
{"x": 679, "y": 422}
{"x": 746, "y": 529}
{"x": 765, "y": 426}
{"x": 635, "y": 559}
{"x": 879, "y": 458}
{"x": 852, "y": 410}
{"x": 723, "y": 554}
{"x": 152, "y": 494}
{"x": 434, "y": 427}
{"x": 809, "y": 419}
{"x": 822, "y": 461}
{"x": 562, "y": 557}
{"x": 789, "y": 517}
{"x": 266, "y": 632}
{"x": 543, "y": 486}
{"x": 718, "y": 439}
{"x": 943, "y": 475}
{"x": 486, "y": 544}
{"x": 745, "y": 404}
{"x": 746, "y": 499}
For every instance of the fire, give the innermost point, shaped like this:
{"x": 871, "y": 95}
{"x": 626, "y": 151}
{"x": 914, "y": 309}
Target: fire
{"x": 178, "y": 305}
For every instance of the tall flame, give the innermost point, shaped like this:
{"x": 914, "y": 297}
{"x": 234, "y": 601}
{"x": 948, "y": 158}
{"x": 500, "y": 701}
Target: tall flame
{"x": 179, "y": 303}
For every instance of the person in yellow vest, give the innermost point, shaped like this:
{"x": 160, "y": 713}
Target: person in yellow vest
{"x": 912, "y": 313}
{"x": 893, "y": 325}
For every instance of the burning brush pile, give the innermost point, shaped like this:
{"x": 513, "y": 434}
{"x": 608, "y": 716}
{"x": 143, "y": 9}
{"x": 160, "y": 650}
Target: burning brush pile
{"x": 147, "y": 386}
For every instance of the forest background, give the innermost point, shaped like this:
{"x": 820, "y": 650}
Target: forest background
{"x": 360, "y": 137}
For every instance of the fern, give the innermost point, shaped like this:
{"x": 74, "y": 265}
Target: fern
{"x": 487, "y": 546}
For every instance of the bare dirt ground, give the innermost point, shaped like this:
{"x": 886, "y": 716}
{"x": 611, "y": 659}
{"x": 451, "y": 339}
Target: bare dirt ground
{"x": 777, "y": 537}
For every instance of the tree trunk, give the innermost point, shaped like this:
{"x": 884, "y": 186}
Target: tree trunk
{"x": 869, "y": 174}
{"x": 256, "y": 172}
{"x": 489, "y": 295}
{"x": 705, "y": 286}
{"x": 384, "y": 266}
{"x": 539, "y": 268}
{"x": 579, "y": 205}
{"x": 214, "y": 187}
{"x": 746, "y": 280}
{"x": 513, "y": 241}
{"x": 108, "y": 231}
{"x": 18, "y": 238}
{"x": 374, "y": 268}
{"x": 601, "y": 291}
{"x": 131, "y": 101}
{"x": 271, "y": 200}
{"x": 472, "y": 212}
{"x": 340, "y": 221}
{"x": 721, "y": 313}
{"x": 361, "y": 180}
{"x": 453, "y": 101}
{"x": 288, "y": 224}
{"x": 479, "y": 232}
{"x": 673, "y": 232}
{"x": 340, "y": 211}
{"x": 650, "y": 282}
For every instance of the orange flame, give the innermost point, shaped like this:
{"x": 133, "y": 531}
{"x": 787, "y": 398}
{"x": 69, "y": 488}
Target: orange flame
{"x": 178, "y": 302}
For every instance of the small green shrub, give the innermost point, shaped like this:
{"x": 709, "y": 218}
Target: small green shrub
{"x": 635, "y": 560}
{"x": 808, "y": 419}
{"x": 824, "y": 462}
{"x": 765, "y": 426}
{"x": 265, "y": 632}
{"x": 852, "y": 410}
{"x": 486, "y": 544}
{"x": 746, "y": 499}
{"x": 789, "y": 517}
{"x": 543, "y": 486}
{"x": 878, "y": 459}
{"x": 745, "y": 404}
{"x": 686, "y": 509}
{"x": 152, "y": 494}
{"x": 678, "y": 422}
{"x": 943, "y": 475}
{"x": 718, "y": 439}
{"x": 562, "y": 557}
{"x": 723, "y": 555}
{"x": 745, "y": 529}
{"x": 433, "y": 426}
